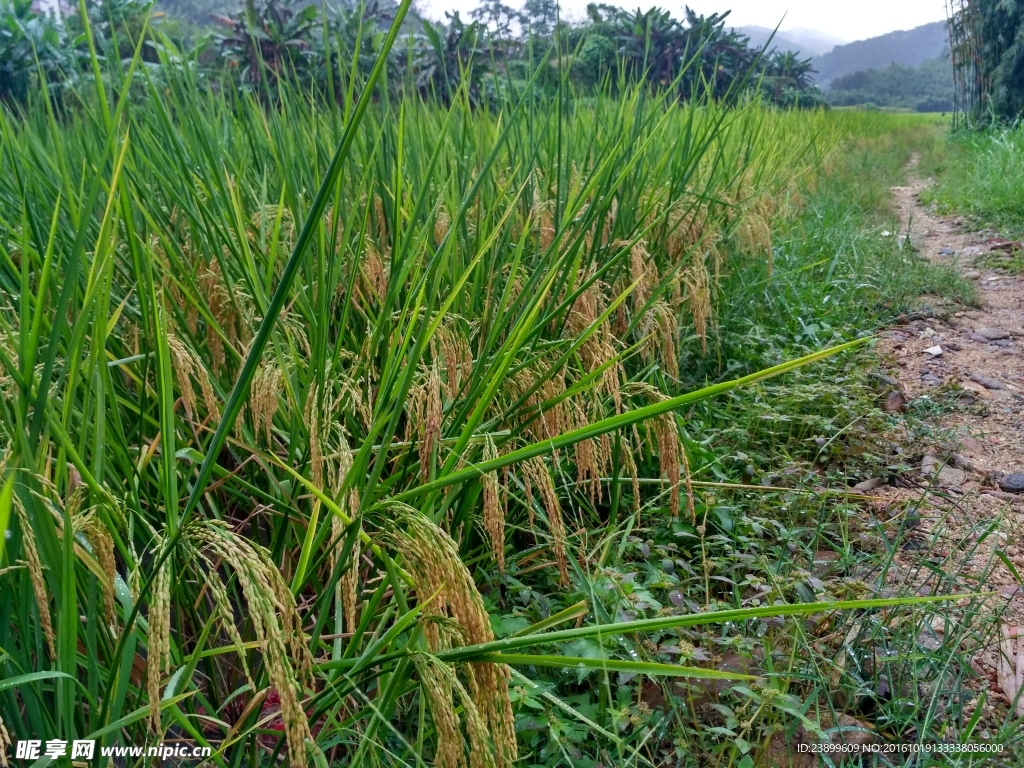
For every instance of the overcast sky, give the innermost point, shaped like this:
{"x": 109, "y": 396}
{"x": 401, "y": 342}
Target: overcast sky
{"x": 839, "y": 18}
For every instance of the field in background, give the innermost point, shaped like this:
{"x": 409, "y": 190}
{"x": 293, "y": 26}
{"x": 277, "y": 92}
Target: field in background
{"x": 422, "y": 467}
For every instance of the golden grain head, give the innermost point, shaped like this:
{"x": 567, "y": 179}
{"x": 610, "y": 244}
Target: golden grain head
{"x": 313, "y": 416}
{"x": 441, "y": 226}
{"x": 754, "y": 235}
{"x": 609, "y": 222}
{"x": 330, "y": 456}
{"x": 218, "y": 302}
{"x": 588, "y": 472}
{"x": 494, "y": 508}
{"x": 598, "y": 349}
{"x": 644, "y": 273}
{"x": 102, "y": 544}
{"x": 188, "y": 366}
{"x": 432, "y": 414}
{"x": 276, "y": 622}
{"x": 375, "y": 273}
{"x": 698, "y": 290}
{"x": 433, "y": 561}
{"x": 267, "y": 217}
{"x": 689, "y": 230}
{"x": 669, "y": 449}
{"x": 545, "y": 224}
{"x": 545, "y": 413}
{"x": 348, "y": 584}
{"x": 537, "y": 475}
{"x": 264, "y": 393}
{"x": 5, "y": 744}
{"x": 665, "y": 322}
{"x": 458, "y": 359}
{"x": 35, "y": 570}
{"x": 181, "y": 363}
{"x": 658, "y": 332}
{"x": 482, "y": 753}
{"x": 223, "y": 608}
{"x": 590, "y": 456}
{"x": 158, "y": 642}
{"x": 450, "y": 750}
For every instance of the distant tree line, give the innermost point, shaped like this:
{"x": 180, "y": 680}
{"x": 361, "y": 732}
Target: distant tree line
{"x": 928, "y": 88}
{"x": 38, "y": 47}
{"x": 327, "y": 50}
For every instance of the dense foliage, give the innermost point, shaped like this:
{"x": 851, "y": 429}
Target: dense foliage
{"x": 995, "y": 52}
{"x": 928, "y": 88}
{"x": 39, "y": 53}
{"x": 266, "y": 41}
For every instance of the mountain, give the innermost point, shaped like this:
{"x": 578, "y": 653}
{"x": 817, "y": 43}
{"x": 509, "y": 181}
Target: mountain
{"x": 806, "y": 42}
{"x": 909, "y": 48}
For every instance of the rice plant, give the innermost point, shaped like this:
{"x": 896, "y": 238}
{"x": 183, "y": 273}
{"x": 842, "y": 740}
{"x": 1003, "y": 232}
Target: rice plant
{"x": 292, "y": 397}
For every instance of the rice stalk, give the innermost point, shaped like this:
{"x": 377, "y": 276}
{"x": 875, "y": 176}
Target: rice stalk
{"x": 698, "y": 289}
{"x": 438, "y": 688}
{"x": 263, "y": 399}
{"x": 159, "y": 642}
{"x": 35, "y": 570}
{"x": 538, "y": 477}
{"x": 222, "y": 605}
{"x": 433, "y": 561}
{"x": 103, "y": 548}
{"x": 275, "y": 620}
{"x": 494, "y": 509}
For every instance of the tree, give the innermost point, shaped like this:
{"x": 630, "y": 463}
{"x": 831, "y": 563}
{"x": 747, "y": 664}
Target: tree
{"x": 988, "y": 56}
{"x": 24, "y": 36}
{"x": 448, "y": 57}
{"x": 540, "y": 17}
{"x": 267, "y": 41}
{"x": 499, "y": 19}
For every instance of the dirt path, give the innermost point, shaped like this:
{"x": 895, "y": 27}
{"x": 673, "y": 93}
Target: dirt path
{"x": 970, "y": 367}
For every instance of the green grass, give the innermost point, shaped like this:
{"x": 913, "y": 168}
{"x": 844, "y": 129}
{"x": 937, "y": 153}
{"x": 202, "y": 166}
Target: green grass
{"x": 982, "y": 178}
{"x": 283, "y": 387}
{"x": 1011, "y": 262}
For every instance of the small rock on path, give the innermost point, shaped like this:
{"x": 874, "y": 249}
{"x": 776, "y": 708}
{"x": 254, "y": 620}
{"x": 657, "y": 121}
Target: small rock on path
{"x": 987, "y": 381}
{"x": 1012, "y": 483}
{"x": 992, "y": 334}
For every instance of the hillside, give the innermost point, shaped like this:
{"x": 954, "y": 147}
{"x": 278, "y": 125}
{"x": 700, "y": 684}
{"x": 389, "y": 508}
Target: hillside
{"x": 806, "y": 42}
{"x": 909, "y": 48}
{"x": 928, "y": 88}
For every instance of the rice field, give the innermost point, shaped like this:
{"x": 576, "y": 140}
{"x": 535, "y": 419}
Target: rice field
{"x": 323, "y": 429}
